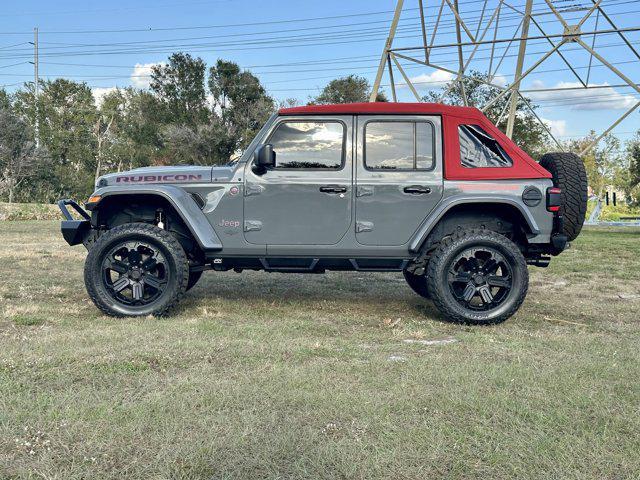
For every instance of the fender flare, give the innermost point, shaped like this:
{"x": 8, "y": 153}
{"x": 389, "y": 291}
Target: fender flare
{"x": 447, "y": 204}
{"x": 181, "y": 201}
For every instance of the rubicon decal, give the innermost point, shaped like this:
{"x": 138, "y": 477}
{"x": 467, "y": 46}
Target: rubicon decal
{"x": 159, "y": 178}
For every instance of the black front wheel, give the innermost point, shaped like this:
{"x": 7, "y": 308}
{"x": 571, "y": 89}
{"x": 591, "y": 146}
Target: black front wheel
{"x": 136, "y": 269}
{"x": 477, "y": 277}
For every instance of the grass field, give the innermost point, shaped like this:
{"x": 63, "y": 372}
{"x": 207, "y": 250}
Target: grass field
{"x": 290, "y": 376}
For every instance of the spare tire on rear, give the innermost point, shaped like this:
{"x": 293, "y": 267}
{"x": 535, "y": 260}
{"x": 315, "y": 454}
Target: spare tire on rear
{"x": 570, "y": 176}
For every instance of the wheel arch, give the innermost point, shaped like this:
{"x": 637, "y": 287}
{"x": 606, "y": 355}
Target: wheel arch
{"x": 490, "y": 207}
{"x": 178, "y": 201}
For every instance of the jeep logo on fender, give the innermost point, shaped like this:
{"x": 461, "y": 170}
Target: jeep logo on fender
{"x": 159, "y": 178}
{"x": 229, "y": 223}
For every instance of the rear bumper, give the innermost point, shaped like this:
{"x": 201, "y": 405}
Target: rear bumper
{"x": 74, "y": 231}
{"x": 539, "y": 254}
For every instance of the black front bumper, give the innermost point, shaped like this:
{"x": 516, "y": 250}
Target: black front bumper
{"x": 74, "y": 231}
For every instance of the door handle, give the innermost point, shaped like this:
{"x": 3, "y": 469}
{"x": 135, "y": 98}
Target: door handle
{"x": 417, "y": 190}
{"x": 333, "y": 189}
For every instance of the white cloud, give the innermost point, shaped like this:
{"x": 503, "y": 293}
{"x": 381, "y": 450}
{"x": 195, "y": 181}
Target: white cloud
{"x": 436, "y": 79}
{"x": 500, "y": 80}
{"x": 558, "y": 127}
{"x": 439, "y": 78}
{"x": 99, "y": 93}
{"x": 603, "y": 98}
{"x": 141, "y": 75}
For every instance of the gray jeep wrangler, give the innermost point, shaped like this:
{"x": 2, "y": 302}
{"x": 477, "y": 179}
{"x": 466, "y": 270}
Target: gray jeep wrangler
{"x": 433, "y": 191}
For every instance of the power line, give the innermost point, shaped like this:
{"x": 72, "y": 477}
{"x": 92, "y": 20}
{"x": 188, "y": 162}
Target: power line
{"x": 351, "y": 66}
{"x": 202, "y": 27}
{"x": 358, "y": 32}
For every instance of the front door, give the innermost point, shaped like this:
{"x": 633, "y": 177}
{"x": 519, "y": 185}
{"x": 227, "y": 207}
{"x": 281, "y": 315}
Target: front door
{"x": 306, "y": 199}
{"x": 398, "y": 176}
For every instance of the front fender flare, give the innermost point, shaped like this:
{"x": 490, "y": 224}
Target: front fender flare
{"x": 447, "y": 204}
{"x": 182, "y": 202}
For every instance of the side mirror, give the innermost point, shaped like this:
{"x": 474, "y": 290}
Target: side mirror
{"x": 264, "y": 158}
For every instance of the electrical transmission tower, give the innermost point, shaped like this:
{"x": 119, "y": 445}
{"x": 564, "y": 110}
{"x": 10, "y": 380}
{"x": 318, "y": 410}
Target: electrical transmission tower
{"x": 573, "y": 32}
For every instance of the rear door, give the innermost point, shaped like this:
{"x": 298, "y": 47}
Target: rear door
{"x": 307, "y": 198}
{"x": 398, "y": 176}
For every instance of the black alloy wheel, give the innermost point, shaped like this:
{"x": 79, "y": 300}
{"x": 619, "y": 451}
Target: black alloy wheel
{"x": 477, "y": 277}
{"x": 135, "y": 273}
{"x": 136, "y": 269}
{"x": 480, "y": 278}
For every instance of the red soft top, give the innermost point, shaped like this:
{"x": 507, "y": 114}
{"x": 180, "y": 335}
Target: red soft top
{"x": 523, "y": 165}
{"x": 386, "y": 108}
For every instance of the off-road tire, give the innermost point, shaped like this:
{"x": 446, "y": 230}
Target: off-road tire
{"x": 169, "y": 247}
{"x": 440, "y": 265}
{"x": 194, "y": 277}
{"x": 418, "y": 283}
{"x": 570, "y": 176}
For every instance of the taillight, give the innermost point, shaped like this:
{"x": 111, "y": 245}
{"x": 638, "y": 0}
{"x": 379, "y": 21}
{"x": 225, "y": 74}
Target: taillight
{"x": 553, "y": 199}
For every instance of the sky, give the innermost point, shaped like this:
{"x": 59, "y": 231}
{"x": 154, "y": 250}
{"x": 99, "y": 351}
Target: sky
{"x": 296, "y": 46}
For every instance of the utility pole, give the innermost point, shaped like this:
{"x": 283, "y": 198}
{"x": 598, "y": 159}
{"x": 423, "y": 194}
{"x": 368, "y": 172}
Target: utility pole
{"x": 36, "y": 81}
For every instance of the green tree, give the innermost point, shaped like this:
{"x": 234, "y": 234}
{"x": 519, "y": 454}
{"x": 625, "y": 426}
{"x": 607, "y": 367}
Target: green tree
{"x": 208, "y": 144}
{"x": 5, "y": 100}
{"x": 18, "y": 153}
{"x": 633, "y": 152}
{"x": 605, "y": 164}
{"x": 67, "y": 115}
{"x": 242, "y": 103}
{"x": 349, "y": 89}
{"x": 135, "y": 129}
{"x": 179, "y": 85}
{"x": 528, "y": 134}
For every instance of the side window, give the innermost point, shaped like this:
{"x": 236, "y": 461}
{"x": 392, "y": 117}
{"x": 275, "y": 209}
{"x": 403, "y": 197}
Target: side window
{"x": 393, "y": 145}
{"x": 312, "y": 145}
{"x": 479, "y": 149}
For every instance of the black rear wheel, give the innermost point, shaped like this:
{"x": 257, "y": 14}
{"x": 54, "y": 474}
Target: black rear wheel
{"x": 136, "y": 269}
{"x": 477, "y": 277}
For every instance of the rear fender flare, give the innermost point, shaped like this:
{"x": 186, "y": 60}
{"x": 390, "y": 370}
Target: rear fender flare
{"x": 182, "y": 202}
{"x": 447, "y": 204}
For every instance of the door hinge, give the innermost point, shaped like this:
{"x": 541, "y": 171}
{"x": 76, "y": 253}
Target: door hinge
{"x": 252, "y": 225}
{"x": 364, "y": 227}
{"x": 253, "y": 189}
{"x": 364, "y": 191}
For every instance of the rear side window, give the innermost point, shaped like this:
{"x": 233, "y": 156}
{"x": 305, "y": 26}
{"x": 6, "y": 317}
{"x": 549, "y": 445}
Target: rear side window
{"x": 308, "y": 145}
{"x": 398, "y": 145}
{"x": 479, "y": 149}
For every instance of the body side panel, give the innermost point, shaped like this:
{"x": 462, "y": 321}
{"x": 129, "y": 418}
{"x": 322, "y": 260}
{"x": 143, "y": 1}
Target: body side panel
{"x": 507, "y": 192}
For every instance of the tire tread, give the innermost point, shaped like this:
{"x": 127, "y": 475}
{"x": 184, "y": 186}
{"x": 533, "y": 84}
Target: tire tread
{"x": 570, "y": 176}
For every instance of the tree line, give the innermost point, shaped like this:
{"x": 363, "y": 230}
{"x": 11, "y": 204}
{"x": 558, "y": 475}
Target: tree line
{"x": 56, "y": 145}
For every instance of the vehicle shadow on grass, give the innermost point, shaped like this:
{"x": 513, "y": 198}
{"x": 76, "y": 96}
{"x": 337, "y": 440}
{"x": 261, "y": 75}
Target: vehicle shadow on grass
{"x": 380, "y": 293}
